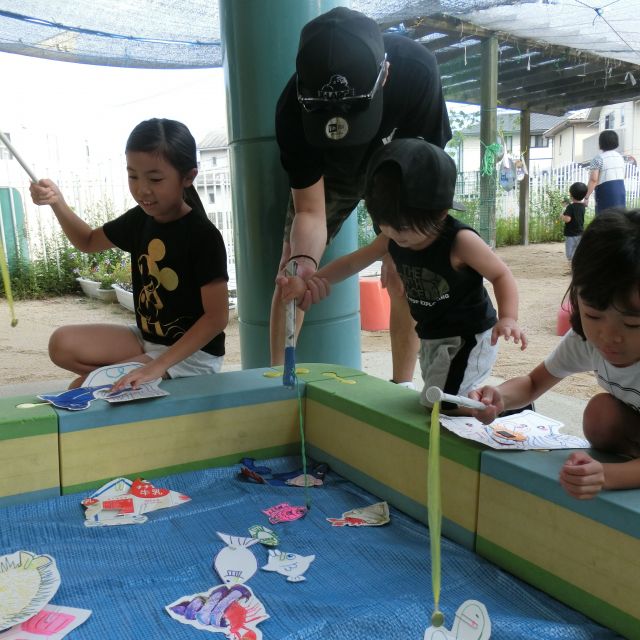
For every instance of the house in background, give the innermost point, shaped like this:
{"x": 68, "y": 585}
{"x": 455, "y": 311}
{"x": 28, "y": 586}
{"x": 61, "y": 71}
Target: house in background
{"x": 569, "y": 135}
{"x": 213, "y": 164}
{"x": 623, "y": 118}
{"x": 540, "y": 147}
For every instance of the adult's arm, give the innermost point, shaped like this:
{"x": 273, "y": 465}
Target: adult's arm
{"x": 308, "y": 235}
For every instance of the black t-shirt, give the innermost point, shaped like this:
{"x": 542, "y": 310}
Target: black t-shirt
{"x": 413, "y": 107}
{"x": 169, "y": 264}
{"x": 443, "y": 302}
{"x": 575, "y": 226}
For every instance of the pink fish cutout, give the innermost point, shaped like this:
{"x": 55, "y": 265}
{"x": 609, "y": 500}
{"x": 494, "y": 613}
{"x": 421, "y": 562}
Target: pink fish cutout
{"x": 284, "y": 512}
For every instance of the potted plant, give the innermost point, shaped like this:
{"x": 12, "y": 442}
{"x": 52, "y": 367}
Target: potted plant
{"x": 122, "y": 284}
{"x": 95, "y": 273}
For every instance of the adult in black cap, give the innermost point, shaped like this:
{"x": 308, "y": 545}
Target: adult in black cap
{"x": 354, "y": 89}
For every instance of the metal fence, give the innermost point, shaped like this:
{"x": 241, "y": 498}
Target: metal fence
{"x": 214, "y": 187}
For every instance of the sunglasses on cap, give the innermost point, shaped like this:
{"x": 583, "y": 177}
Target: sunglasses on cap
{"x": 345, "y": 103}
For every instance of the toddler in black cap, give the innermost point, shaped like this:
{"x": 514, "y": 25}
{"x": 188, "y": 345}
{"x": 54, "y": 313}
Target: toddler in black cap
{"x": 409, "y": 189}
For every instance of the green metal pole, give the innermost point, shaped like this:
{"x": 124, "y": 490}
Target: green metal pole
{"x": 488, "y": 131}
{"x": 258, "y": 61}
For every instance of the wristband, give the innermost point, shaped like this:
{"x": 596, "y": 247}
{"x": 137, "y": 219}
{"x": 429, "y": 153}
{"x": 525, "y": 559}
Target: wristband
{"x": 304, "y": 255}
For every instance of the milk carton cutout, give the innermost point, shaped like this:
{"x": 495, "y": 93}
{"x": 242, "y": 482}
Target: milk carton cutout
{"x": 235, "y": 564}
{"x": 290, "y": 565}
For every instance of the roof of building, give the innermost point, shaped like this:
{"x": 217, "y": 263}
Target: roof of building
{"x": 214, "y": 140}
{"x": 509, "y": 123}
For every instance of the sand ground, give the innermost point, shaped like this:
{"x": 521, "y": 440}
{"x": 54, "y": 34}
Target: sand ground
{"x": 541, "y": 272}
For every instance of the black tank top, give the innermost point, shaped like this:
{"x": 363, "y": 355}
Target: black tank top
{"x": 444, "y": 302}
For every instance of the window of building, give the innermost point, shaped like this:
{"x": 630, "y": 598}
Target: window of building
{"x": 539, "y": 141}
{"x": 508, "y": 143}
{"x": 610, "y": 121}
{"x": 211, "y": 193}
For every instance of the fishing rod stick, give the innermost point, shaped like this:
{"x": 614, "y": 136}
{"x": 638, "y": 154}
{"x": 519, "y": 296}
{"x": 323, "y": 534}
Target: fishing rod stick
{"x": 289, "y": 373}
{"x": 18, "y": 157}
{"x": 435, "y": 394}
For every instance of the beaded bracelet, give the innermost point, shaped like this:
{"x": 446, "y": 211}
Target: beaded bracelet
{"x": 304, "y": 255}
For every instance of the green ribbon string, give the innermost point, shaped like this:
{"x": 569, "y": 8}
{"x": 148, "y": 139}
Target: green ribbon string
{"x": 489, "y": 159}
{"x": 434, "y": 504}
{"x": 303, "y": 447}
{"x": 6, "y": 281}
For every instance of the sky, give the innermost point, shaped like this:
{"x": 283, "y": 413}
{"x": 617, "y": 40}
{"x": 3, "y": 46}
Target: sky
{"x": 103, "y": 104}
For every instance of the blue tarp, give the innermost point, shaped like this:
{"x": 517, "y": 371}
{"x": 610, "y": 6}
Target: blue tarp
{"x": 368, "y": 583}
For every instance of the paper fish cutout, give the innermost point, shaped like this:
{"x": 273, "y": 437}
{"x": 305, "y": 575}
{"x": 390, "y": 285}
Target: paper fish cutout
{"x": 73, "y": 399}
{"x": 299, "y": 481}
{"x": 524, "y": 430}
{"x": 284, "y": 512}
{"x": 52, "y": 623}
{"x": 97, "y": 385}
{"x": 374, "y": 515}
{"x": 263, "y": 475}
{"x": 290, "y": 565}
{"x": 264, "y": 535}
{"x": 232, "y": 610}
{"x": 235, "y": 564}
{"x": 471, "y": 623}
{"x": 27, "y": 582}
{"x": 122, "y": 501}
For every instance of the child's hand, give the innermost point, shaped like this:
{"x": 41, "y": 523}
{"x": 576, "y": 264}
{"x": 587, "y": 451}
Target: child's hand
{"x": 291, "y": 288}
{"x": 508, "y": 328}
{"x": 490, "y": 397}
{"x": 581, "y": 476}
{"x": 318, "y": 288}
{"x": 45, "y": 192}
{"x": 149, "y": 372}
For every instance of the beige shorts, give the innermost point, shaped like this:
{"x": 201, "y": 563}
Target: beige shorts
{"x": 341, "y": 197}
{"x": 197, "y": 364}
{"x": 456, "y": 365}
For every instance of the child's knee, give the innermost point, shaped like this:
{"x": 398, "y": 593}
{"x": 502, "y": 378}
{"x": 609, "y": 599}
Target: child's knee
{"x": 600, "y": 420}
{"x": 60, "y": 344}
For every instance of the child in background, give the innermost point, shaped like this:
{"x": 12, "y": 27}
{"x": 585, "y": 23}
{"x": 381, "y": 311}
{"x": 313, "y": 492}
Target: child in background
{"x": 605, "y": 339}
{"x": 409, "y": 189}
{"x": 573, "y": 218}
{"x": 178, "y": 267}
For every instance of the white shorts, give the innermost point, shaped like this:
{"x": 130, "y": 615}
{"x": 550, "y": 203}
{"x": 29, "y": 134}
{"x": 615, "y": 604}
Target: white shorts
{"x": 197, "y": 364}
{"x": 456, "y": 365}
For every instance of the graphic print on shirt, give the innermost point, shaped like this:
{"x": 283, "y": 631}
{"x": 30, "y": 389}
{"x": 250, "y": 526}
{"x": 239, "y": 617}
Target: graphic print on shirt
{"x": 422, "y": 286}
{"x": 155, "y": 280}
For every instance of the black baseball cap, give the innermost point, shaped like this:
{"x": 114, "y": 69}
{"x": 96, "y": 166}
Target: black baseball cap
{"x": 339, "y": 61}
{"x": 428, "y": 173}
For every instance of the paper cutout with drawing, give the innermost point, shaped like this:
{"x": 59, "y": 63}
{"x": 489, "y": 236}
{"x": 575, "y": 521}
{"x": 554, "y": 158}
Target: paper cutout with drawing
{"x": 296, "y": 478}
{"x": 374, "y": 515}
{"x": 525, "y": 430}
{"x": 122, "y": 501}
{"x": 97, "y": 385}
{"x": 235, "y": 564}
{"x": 284, "y": 512}
{"x": 286, "y": 564}
{"x": 471, "y": 623}
{"x": 264, "y": 535}
{"x": 233, "y": 610}
{"x": 52, "y": 623}
{"x": 27, "y": 582}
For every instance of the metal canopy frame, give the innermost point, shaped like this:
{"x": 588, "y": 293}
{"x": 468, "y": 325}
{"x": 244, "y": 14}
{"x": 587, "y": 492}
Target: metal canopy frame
{"x": 540, "y": 77}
